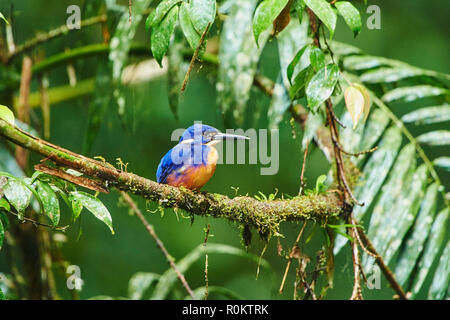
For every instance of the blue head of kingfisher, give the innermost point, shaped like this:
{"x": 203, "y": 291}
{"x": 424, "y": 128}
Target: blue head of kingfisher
{"x": 192, "y": 162}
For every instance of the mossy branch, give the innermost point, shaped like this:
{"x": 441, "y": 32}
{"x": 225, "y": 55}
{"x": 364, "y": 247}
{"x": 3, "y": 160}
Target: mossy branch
{"x": 265, "y": 216}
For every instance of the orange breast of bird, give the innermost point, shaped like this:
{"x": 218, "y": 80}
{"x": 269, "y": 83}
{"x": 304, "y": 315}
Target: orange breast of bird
{"x": 194, "y": 177}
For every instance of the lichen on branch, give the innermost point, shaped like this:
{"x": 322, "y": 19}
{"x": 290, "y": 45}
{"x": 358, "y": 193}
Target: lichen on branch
{"x": 265, "y": 216}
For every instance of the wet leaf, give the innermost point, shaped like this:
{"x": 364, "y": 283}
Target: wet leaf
{"x": 428, "y": 115}
{"x": 354, "y": 101}
{"x": 161, "y": 11}
{"x": 18, "y": 195}
{"x": 324, "y": 12}
{"x": 442, "y": 162}
{"x": 6, "y": 114}
{"x": 299, "y": 7}
{"x": 161, "y": 34}
{"x": 357, "y": 62}
{"x": 139, "y": 283}
{"x": 293, "y": 64}
{"x": 394, "y": 227}
{"x": 304, "y": 77}
{"x": 435, "y": 138}
{"x": 202, "y": 13}
{"x": 432, "y": 248}
{"x": 2, "y": 232}
{"x": 317, "y": 58}
{"x": 49, "y": 200}
{"x": 408, "y": 94}
{"x": 295, "y": 35}
{"x": 441, "y": 280}
{"x": 351, "y": 16}
{"x": 265, "y": 14}
{"x": 95, "y": 206}
{"x": 119, "y": 47}
{"x": 321, "y": 86}
{"x": 400, "y": 174}
{"x": 414, "y": 243}
{"x": 283, "y": 19}
{"x": 375, "y": 172}
{"x": 239, "y": 56}
{"x": 387, "y": 75}
{"x": 176, "y": 71}
{"x": 374, "y": 128}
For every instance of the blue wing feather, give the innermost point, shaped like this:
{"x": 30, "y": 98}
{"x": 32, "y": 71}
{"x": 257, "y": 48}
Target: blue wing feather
{"x": 167, "y": 166}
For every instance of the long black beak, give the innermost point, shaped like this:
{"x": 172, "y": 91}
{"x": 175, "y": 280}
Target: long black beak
{"x": 228, "y": 136}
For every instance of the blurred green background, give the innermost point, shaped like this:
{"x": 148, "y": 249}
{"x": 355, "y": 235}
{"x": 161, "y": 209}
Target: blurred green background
{"x": 414, "y": 31}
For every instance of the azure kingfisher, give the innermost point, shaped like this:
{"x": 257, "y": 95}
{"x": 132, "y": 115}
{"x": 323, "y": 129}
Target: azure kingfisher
{"x": 192, "y": 162}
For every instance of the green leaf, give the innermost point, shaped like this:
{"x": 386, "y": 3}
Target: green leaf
{"x": 387, "y": 75}
{"x": 442, "y": 162}
{"x": 356, "y": 62}
{"x": 162, "y": 10}
{"x": 304, "y": 77}
{"x": 373, "y": 130}
{"x": 299, "y": 7}
{"x": 120, "y": 46}
{"x": 238, "y": 55}
{"x": 6, "y": 114}
{"x": 139, "y": 283}
{"x": 437, "y": 236}
{"x": 320, "y": 184}
{"x": 265, "y": 14}
{"x": 169, "y": 278}
{"x": 292, "y": 66}
{"x": 199, "y": 293}
{"x": 317, "y": 58}
{"x": 189, "y": 31}
{"x": 408, "y": 94}
{"x": 324, "y": 12}
{"x": 351, "y": 16}
{"x": 394, "y": 227}
{"x": 2, "y": 17}
{"x": 428, "y": 115}
{"x": 161, "y": 34}
{"x": 435, "y": 138}
{"x": 375, "y": 172}
{"x": 400, "y": 175}
{"x": 2, "y": 233}
{"x": 414, "y": 243}
{"x": 321, "y": 86}
{"x": 2, "y": 296}
{"x": 18, "y": 195}
{"x": 202, "y": 13}
{"x": 441, "y": 280}
{"x": 49, "y": 200}
{"x": 76, "y": 206}
{"x": 95, "y": 206}
{"x": 176, "y": 71}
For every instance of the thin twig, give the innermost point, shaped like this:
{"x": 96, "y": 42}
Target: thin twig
{"x": 37, "y": 223}
{"x": 288, "y": 265}
{"x": 206, "y": 260}
{"x": 159, "y": 243}
{"x": 41, "y": 38}
{"x": 302, "y": 182}
{"x": 194, "y": 57}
